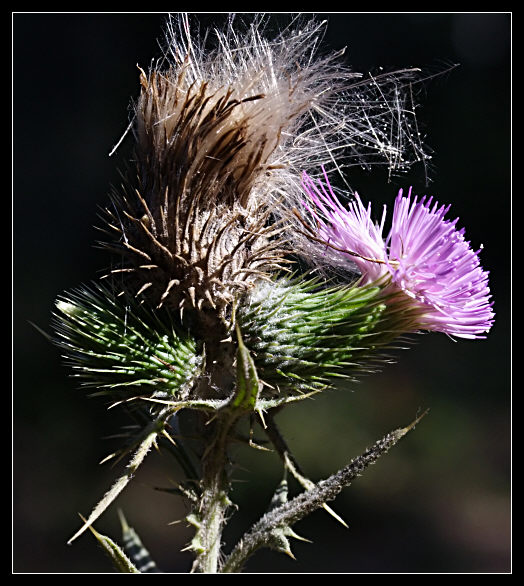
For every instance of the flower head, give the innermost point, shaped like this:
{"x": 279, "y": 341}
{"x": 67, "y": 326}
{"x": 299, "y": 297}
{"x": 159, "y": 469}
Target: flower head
{"x": 425, "y": 256}
{"x": 221, "y": 129}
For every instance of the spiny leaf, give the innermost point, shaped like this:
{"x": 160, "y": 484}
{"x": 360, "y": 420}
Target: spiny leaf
{"x": 146, "y": 442}
{"x": 248, "y": 385}
{"x": 135, "y": 549}
{"x": 120, "y": 560}
{"x": 291, "y": 465}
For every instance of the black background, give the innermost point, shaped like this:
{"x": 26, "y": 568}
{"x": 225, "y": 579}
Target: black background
{"x": 439, "y": 502}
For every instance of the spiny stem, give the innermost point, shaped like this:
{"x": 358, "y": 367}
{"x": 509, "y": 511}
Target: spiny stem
{"x": 211, "y": 515}
{"x": 289, "y": 513}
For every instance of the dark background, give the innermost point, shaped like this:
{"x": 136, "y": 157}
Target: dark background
{"x": 440, "y": 501}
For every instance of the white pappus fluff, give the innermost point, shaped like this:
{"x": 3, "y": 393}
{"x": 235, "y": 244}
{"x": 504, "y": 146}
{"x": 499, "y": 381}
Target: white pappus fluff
{"x": 328, "y": 114}
{"x": 316, "y": 111}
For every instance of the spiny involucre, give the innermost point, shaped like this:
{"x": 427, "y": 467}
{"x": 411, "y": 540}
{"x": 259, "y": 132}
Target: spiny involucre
{"x": 305, "y": 334}
{"x": 123, "y": 348}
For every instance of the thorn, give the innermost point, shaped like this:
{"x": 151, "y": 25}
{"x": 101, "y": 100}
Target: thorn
{"x": 169, "y": 438}
{"x": 107, "y": 458}
{"x": 45, "y": 334}
{"x": 115, "y": 271}
{"x": 128, "y": 400}
{"x": 168, "y": 288}
{"x": 123, "y": 521}
{"x": 137, "y": 251}
{"x": 210, "y": 298}
{"x": 260, "y": 414}
{"x": 191, "y": 291}
{"x": 291, "y": 533}
{"x": 329, "y": 510}
{"x": 256, "y": 446}
{"x": 417, "y": 420}
{"x": 143, "y": 288}
{"x": 401, "y": 432}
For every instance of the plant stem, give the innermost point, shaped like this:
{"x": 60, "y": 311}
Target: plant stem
{"x": 209, "y": 519}
{"x": 290, "y": 512}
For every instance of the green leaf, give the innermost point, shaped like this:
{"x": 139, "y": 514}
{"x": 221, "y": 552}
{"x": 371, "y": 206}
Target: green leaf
{"x": 144, "y": 443}
{"x": 120, "y": 560}
{"x": 135, "y": 549}
{"x": 248, "y": 385}
{"x": 273, "y": 528}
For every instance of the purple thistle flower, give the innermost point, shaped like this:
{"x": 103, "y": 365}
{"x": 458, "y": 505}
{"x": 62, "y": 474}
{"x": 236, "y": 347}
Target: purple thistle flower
{"x": 424, "y": 256}
{"x": 347, "y": 230}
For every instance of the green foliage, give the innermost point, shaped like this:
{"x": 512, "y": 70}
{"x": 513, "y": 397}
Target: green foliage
{"x": 247, "y": 382}
{"x": 294, "y": 337}
{"x": 116, "y": 554}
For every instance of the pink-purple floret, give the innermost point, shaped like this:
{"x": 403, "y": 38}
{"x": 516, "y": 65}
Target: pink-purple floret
{"x": 424, "y": 255}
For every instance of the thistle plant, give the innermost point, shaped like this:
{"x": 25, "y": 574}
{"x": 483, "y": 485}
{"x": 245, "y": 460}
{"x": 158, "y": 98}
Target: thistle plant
{"x": 241, "y": 281}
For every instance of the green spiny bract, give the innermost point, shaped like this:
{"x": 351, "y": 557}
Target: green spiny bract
{"x": 304, "y": 336}
{"x": 121, "y": 348}
{"x": 300, "y": 337}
